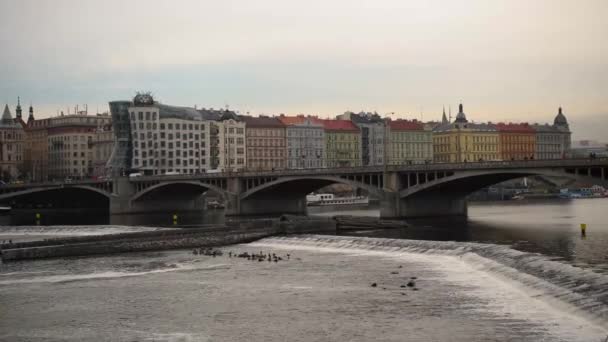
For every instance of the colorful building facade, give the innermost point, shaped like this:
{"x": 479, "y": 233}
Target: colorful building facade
{"x": 409, "y": 142}
{"x": 517, "y": 141}
{"x": 342, "y": 143}
{"x": 373, "y": 135}
{"x": 463, "y": 141}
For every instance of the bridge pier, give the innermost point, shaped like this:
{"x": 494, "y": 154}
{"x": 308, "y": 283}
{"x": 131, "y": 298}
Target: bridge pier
{"x": 424, "y": 205}
{"x": 268, "y": 204}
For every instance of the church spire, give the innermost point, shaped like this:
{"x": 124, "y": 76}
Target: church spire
{"x": 444, "y": 119}
{"x": 31, "y": 116}
{"x": 18, "y": 109}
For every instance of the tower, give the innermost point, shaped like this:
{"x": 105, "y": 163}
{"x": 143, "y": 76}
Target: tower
{"x": 18, "y": 109}
{"x": 560, "y": 119}
{"x": 31, "y": 116}
{"x": 444, "y": 119}
{"x": 461, "y": 117}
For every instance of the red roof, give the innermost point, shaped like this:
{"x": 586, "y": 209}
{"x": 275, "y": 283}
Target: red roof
{"x": 294, "y": 120}
{"x": 339, "y": 125}
{"x": 515, "y": 128}
{"x": 405, "y": 125}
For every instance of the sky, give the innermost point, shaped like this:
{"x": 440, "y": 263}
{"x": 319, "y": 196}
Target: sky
{"x": 505, "y": 60}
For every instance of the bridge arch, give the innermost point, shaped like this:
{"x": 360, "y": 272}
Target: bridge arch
{"x": 58, "y": 197}
{"x": 190, "y": 184}
{"x": 30, "y": 191}
{"x": 466, "y": 182}
{"x": 303, "y": 185}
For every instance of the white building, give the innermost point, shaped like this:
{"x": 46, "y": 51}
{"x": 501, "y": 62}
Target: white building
{"x": 305, "y": 137}
{"x": 184, "y": 140}
{"x": 553, "y": 141}
{"x": 168, "y": 138}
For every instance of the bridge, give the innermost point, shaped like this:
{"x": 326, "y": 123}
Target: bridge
{"x": 405, "y": 191}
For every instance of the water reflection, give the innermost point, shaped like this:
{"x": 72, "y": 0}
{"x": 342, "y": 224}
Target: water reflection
{"x": 548, "y": 227}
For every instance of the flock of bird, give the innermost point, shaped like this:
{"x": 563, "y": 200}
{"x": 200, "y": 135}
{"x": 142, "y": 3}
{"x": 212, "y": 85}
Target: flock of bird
{"x": 261, "y": 256}
{"x": 272, "y": 257}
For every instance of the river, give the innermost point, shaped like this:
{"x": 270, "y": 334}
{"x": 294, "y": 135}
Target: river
{"x": 516, "y": 271}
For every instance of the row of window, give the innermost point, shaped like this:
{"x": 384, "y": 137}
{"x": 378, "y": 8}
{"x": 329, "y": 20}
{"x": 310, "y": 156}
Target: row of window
{"x": 163, "y": 143}
{"x": 170, "y": 154}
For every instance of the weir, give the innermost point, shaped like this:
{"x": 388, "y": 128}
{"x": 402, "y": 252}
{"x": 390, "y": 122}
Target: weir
{"x": 583, "y": 289}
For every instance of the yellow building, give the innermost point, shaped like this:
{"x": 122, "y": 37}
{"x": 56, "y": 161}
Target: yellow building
{"x": 342, "y": 143}
{"x": 409, "y": 142}
{"x": 462, "y": 141}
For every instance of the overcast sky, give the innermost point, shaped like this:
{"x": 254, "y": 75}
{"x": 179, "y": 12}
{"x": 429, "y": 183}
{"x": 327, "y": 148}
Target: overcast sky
{"x": 506, "y": 60}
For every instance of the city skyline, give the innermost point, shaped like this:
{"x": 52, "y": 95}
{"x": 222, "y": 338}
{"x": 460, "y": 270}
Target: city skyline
{"x": 506, "y": 61}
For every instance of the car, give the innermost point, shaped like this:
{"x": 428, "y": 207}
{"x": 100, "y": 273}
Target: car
{"x": 135, "y": 174}
{"x": 171, "y": 173}
{"x": 68, "y": 180}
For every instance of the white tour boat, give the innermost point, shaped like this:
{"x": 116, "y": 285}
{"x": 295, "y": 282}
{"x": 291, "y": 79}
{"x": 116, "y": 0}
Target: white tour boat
{"x": 330, "y": 199}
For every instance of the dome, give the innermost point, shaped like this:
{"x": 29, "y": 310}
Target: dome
{"x": 461, "y": 117}
{"x": 560, "y": 118}
{"x": 143, "y": 99}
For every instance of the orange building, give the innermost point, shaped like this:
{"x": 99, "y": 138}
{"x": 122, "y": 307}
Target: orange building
{"x": 516, "y": 141}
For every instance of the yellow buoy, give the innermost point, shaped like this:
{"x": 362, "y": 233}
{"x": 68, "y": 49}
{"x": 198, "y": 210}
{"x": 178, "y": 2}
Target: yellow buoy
{"x": 583, "y": 229}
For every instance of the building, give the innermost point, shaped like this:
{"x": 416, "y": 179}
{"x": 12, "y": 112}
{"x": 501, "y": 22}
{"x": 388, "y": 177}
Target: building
{"x": 121, "y": 158}
{"x": 168, "y": 138}
{"x": 373, "y": 134}
{"x": 70, "y": 144}
{"x": 12, "y": 146}
{"x": 36, "y": 154}
{"x": 266, "y": 145}
{"x": 463, "y": 141}
{"x": 305, "y": 142}
{"x": 409, "y": 142}
{"x": 517, "y": 141}
{"x": 232, "y": 142}
{"x": 342, "y": 143}
{"x": 552, "y": 141}
{"x": 103, "y": 144}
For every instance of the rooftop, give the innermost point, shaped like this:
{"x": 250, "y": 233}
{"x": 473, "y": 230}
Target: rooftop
{"x": 262, "y": 121}
{"x": 405, "y": 125}
{"x": 514, "y": 127}
{"x": 339, "y": 125}
{"x": 299, "y": 119}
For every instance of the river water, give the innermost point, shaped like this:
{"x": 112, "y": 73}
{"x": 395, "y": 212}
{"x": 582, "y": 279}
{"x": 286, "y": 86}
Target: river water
{"x": 512, "y": 272}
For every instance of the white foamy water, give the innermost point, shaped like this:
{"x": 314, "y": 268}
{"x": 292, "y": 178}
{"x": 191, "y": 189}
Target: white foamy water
{"x": 464, "y": 292}
{"x": 65, "y": 278}
{"x": 516, "y": 283}
{"x": 72, "y": 230}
